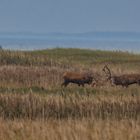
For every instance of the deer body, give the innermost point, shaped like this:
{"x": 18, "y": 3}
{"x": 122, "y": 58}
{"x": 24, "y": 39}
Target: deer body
{"x": 123, "y": 80}
{"x": 76, "y": 78}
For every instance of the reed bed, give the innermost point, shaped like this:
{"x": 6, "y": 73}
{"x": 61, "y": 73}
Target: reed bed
{"x": 76, "y": 106}
{"x": 33, "y": 105}
{"x": 48, "y": 77}
{"x": 84, "y": 129}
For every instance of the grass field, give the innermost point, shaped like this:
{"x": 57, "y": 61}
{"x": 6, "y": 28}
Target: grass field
{"x": 33, "y": 105}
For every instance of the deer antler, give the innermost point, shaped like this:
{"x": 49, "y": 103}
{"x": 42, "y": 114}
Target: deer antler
{"x": 108, "y": 73}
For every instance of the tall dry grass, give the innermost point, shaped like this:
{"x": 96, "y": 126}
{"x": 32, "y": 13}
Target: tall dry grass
{"x": 49, "y": 77}
{"x": 84, "y": 129}
{"x": 76, "y": 106}
{"x": 45, "y": 68}
{"x": 33, "y": 105}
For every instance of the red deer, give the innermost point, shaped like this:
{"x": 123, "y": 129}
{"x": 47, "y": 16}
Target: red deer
{"x": 77, "y": 78}
{"x": 124, "y": 80}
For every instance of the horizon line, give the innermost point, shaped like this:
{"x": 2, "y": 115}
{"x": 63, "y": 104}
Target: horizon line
{"x": 69, "y": 33}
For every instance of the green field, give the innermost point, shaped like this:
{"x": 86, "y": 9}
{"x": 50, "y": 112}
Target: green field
{"x": 33, "y": 105}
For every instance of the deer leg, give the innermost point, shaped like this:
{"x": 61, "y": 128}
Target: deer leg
{"x": 62, "y": 84}
{"x": 65, "y": 83}
{"x": 112, "y": 84}
{"x": 125, "y": 86}
{"x": 93, "y": 84}
{"x": 79, "y": 85}
{"x": 82, "y": 84}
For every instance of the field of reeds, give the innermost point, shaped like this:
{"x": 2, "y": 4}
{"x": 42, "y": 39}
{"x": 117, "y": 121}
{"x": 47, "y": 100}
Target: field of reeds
{"x": 33, "y": 105}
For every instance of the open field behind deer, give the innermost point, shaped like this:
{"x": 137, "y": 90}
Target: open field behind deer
{"x": 33, "y": 104}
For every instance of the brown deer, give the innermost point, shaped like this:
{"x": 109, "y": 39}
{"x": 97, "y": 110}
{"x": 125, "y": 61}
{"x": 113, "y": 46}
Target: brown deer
{"x": 77, "y": 78}
{"x": 124, "y": 80}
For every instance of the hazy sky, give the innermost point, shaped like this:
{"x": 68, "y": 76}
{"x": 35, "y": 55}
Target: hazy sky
{"x": 69, "y": 15}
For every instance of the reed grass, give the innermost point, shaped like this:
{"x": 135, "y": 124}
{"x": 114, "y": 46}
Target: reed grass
{"x": 84, "y": 129}
{"x": 33, "y": 105}
{"x": 63, "y": 106}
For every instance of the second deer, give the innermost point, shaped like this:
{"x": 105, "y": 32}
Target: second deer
{"x": 124, "y": 80}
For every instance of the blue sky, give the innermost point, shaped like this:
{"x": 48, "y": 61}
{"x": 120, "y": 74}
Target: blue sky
{"x": 69, "y": 16}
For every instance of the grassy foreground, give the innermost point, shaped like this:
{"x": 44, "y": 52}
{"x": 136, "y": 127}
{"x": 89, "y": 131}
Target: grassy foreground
{"x": 85, "y": 129}
{"x": 33, "y": 105}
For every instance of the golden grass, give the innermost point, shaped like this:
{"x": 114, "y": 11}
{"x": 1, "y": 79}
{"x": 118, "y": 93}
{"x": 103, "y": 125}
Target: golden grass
{"x": 84, "y": 129}
{"x": 34, "y": 106}
{"x": 49, "y": 77}
{"x": 30, "y": 106}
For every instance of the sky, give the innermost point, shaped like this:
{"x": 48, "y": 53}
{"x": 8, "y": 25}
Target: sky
{"x": 69, "y": 16}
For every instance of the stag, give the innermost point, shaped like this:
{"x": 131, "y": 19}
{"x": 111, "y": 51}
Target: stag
{"x": 124, "y": 80}
{"x": 77, "y": 78}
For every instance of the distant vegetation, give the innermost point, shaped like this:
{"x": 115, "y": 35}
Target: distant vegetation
{"x": 82, "y": 56}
